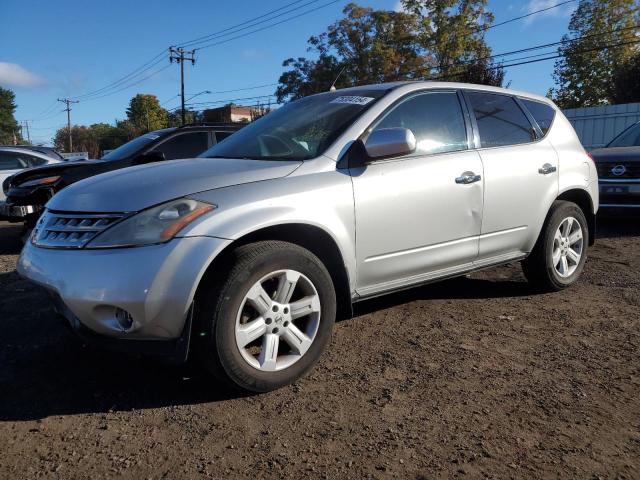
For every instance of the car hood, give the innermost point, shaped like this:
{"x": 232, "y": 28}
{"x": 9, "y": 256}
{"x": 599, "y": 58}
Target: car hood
{"x": 136, "y": 188}
{"x": 616, "y": 154}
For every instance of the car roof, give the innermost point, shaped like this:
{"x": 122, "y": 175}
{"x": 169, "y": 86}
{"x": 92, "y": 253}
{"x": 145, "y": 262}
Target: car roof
{"x": 19, "y": 149}
{"x": 417, "y": 85}
{"x": 51, "y": 151}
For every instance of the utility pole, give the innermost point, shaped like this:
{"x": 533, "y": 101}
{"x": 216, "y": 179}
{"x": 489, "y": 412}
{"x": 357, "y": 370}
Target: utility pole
{"x": 68, "y": 103}
{"x": 179, "y": 55}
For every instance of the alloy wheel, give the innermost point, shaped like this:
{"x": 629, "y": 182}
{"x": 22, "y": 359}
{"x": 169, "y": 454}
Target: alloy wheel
{"x": 278, "y": 320}
{"x": 568, "y": 246}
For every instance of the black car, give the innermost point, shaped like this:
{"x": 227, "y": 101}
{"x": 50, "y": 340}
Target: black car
{"x": 618, "y": 167}
{"x": 28, "y": 191}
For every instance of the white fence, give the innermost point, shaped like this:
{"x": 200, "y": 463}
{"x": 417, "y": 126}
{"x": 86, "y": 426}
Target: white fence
{"x": 597, "y": 126}
{"x": 76, "y": 156}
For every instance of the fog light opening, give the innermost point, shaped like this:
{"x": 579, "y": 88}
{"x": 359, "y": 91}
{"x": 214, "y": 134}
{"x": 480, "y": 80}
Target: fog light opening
{"x": 124, "y": 318}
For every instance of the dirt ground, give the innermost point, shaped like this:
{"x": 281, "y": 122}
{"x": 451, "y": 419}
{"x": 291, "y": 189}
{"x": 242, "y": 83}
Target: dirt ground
{"x": 475, "y": 377}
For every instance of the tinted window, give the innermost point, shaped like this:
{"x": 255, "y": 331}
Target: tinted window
{"x": 543, "y": 114}
{"x": 11, "y": 161}
{"x": 500, "y": 120}
{"x": 435, "y": 119}
{"x": 628, "y": 138}
{"x": 132, "y": 147}
{"x": 187, "y": 145}
{"x": 222, "y": 135}
{"x": 34, "y": 161}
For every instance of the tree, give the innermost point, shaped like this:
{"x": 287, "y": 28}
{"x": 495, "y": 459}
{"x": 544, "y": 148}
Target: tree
{"x": 146, "y": 114}
{"x": 9, "y": 129}
{"x": 84, "y": 140}
{"x": 482, "y": 72}
{"x": 626, "y": 83}
{"x": 584, "y": 74}
{"x": 174, "y": 119}
{"x": 366, "y": 46}
{"x": 429, "y": 38}
{"x": 452, "y": 31}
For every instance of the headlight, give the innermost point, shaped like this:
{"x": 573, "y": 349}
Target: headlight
{"x": 40, "y": 181}
{"x": 155, "y": 225}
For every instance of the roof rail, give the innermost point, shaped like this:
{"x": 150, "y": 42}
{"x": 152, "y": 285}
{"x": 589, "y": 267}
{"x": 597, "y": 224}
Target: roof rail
{"x": 210, "y": 124}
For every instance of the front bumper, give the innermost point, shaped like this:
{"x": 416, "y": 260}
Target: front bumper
{"x": 154, "y": 284}
{"x": 620, "y": 195}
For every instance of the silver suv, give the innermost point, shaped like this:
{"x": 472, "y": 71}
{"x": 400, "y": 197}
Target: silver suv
{"x": 247, "y": 255}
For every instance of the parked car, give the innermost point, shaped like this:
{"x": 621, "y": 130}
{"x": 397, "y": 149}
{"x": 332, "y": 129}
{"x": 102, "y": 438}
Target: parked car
{"x": 49, "y": 151}
{"x": 14, "y": 159}
{"x": 246, "y": 255}
{"x": 27, "y": 192}
{"x": 619, "y": 172}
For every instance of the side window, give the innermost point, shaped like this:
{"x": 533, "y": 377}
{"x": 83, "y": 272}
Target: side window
{"x": 435, "y": 118}
{"x": 543, "y": 114}
{"x": 222, "y": 135}
{"x": 11, "y": 161}
{"x": 500, "y": 120}
{"x": 186, "y": 145}
{"x": 33, "y": 161}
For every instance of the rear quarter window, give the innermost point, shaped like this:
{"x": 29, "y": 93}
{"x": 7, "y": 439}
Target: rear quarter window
{"x": 542, "y": 113}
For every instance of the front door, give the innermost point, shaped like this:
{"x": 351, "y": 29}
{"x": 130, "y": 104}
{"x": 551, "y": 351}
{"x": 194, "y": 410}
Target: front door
{"x": 419, "y": 216}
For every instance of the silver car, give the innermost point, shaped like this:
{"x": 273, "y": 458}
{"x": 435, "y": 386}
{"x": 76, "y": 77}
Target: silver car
{"x": 246, "y": 256}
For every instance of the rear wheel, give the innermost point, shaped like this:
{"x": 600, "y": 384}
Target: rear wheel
{"x": 558, "y": 257}
{"x": 271, "y": 318}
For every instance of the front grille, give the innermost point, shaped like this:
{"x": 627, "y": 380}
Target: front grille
{"x": 628, "y": 169}
{"x": 71, "y": 230}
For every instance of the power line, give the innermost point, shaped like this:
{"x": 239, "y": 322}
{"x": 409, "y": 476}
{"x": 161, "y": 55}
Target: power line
{"x": 209, "y": 45}
{"x": 68, "y": 103}
{"x": 254, "y": 21}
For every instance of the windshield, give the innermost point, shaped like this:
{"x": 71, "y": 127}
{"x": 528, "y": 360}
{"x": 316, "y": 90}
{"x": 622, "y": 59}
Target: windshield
{"x": 131, "y": 147}
{"x": 299, "y": 130}
{"x": 628, "y": 138}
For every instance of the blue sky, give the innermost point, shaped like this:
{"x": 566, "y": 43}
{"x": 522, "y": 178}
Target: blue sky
{"x": 65, "y": 48}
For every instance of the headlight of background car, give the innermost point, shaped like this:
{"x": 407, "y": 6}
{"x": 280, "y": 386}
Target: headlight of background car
{"x": 155, "y": 225}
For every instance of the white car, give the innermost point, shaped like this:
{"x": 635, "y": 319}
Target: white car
{"x": 14, "y": 159}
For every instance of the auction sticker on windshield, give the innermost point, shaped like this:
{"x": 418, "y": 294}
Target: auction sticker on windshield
{"x": 352, "y": 100}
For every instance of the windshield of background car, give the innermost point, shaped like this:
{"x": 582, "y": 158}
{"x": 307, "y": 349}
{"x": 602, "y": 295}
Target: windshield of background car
{"x": 299, "y": 130}
{"x": 130, "y": 148}
{"x": 628, "y": 138}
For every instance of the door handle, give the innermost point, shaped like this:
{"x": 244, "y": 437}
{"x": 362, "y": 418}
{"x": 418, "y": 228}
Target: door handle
{"x": 546, "y": 169}
{"x": 468, "y": 177}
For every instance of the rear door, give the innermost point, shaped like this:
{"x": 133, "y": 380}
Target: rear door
{"x": 520, "y": 172}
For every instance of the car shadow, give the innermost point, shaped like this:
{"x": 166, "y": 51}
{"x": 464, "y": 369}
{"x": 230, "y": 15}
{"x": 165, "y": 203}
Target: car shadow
{"x": 618, "y": 226}
{"x": 10, "y": 243}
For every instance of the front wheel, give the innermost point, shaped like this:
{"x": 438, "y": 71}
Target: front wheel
{"x": 271, "y": 318}
{"x": 558, "y": 257}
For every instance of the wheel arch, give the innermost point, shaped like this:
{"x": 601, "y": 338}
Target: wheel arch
{"x": 311, "y": 237}
{"x": 582, "y": 198}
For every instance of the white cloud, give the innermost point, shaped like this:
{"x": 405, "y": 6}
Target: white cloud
{"x": 13, "y": 75}
{"x": 535, "y": 5}
{"x": 398, "y": 7}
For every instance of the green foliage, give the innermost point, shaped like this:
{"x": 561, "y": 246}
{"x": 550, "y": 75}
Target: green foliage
{"x": 430, "y": 38}
{"x": 584, "y": 75}
{"x": 174, "y": 119}
{"x": 626, "y": 81}
{"x": 8, "y": 124}
{"x": 146, "y": 114}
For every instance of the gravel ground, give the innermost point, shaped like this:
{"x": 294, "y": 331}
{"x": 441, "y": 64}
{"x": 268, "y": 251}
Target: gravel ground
{"x": 474, "y": 377}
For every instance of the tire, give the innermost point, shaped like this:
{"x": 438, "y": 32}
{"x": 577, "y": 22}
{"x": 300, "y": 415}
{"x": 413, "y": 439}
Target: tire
{"x": 542, "y": 268}
{"x": 237, "y": 302}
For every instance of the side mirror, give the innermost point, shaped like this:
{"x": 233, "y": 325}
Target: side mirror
{"x": 149, "y": 157}
{"x": 390, "y": 142}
